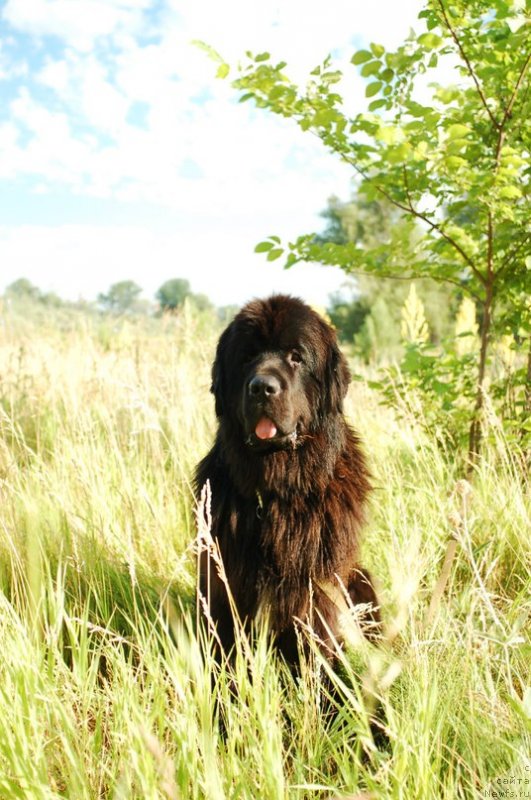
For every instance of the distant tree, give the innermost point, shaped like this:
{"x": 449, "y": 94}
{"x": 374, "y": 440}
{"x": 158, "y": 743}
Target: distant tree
{"x": 365, "y": 222}
{"x": 23, "y": 288}
{"x": 380, "y": 331}
{"x": 173, "y": 293}
{"x": 348, "y": 313}
{"x": 335, "y": 230}
{"x": 51, "y": 299}
{"x": 201, "y": 301}
{"x": 121, "y": 296}
{"x": 368, "y": 224}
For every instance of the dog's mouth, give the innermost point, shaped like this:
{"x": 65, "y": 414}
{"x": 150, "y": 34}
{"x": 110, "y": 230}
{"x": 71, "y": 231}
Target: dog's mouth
{"x": 267, "y": 432}
{"x": 265, "y": 429}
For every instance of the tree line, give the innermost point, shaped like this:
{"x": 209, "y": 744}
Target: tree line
{"x": 122, "y": 297}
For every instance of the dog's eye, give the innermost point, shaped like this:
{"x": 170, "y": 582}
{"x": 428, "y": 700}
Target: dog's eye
{"x": 294, "y": 357}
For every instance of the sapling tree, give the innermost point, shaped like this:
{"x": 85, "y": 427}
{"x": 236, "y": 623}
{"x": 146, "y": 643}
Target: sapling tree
{"x": 455, "y": 166}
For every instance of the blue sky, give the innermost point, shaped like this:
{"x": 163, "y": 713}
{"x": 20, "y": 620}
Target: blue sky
{"x": 123, "y": 156}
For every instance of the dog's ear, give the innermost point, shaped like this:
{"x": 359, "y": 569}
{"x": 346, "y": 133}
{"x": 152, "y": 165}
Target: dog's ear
{"x": 337, "y": 379}
{"x": 218, "y": 386}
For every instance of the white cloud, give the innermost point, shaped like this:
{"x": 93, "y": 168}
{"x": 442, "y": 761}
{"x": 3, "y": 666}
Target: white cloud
{"x": 83, "y": 85}
{"x": 233, "y": 147}
{"x": 127, "y": 117}
{"x": 57, "y": 75}
{"x": 51, "y": 151}
{"x": 245, "y": 157}
{"x": 77, "y": 22}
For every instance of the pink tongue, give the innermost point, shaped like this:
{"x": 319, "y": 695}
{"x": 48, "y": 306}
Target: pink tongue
{"x": 265, "y": 429}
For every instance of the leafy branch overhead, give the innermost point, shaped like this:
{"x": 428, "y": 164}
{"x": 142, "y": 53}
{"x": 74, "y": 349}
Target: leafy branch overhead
{"x": 455, "y": 165}
{"x": 449, "y": 164}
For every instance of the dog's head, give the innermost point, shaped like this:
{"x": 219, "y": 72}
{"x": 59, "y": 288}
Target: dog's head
{"x": 278, "y": 372}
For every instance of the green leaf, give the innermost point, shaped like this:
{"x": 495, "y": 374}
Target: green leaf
{"x": 331, "y": 77}
{"x": 416, "y": 110}
{"x": 447, "y": 94}
{"x": 373, "y": 88}
{"x": 420, "y": 152}
{"x": 262, "y": 57}
{"x": 399, "y": 153}
{"x": 206, "y": 48}
{"x": 510, "y": 192}
{"x": 222, "y": 71}
{"x": 372, "y": 68}
{"x": 277, "y": 91}
{"x": 263, "y": 247}
{"x": 454, "y": 162}
{"x": 360, "y": 57}
{"x": 325, "y": 117}
{"x": 457, "y": 131}
{"x": 387, "y": 75}
{"x": 390, "y": 134}
{"x": 429, "y": 40}
{"x": 455, "y": 146}
{"x": 376, "y": 104}
{"x": 377, "y": 49}
{"x": 274, "y": 254}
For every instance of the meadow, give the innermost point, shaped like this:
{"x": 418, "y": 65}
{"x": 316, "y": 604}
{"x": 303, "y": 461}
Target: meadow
{"x": 104, "y": 688}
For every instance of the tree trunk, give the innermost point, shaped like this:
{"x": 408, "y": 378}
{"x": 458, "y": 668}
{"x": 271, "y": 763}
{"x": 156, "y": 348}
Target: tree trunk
{"x": 474, "y": 438}
{"x": 527, "y": 409}
{"x": 527, "y": 401}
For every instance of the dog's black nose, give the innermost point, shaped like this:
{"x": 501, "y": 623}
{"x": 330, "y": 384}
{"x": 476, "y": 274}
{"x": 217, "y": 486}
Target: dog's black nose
{"x": 262, "y": 386}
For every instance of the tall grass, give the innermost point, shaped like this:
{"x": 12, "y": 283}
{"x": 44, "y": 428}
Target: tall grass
{"x": 105, "y": 691}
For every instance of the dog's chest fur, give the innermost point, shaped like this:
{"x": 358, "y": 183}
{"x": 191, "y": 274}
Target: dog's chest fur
{"x": 277, "y": 544}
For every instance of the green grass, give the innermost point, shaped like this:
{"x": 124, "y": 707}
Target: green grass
{"x": 104, "y": 692}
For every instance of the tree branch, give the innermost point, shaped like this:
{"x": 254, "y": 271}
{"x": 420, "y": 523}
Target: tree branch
{"x": 409, "y": 209}
{"x": 440, "y": 231}
{"x": 437, "y": 279}
{"x": 508, "y": 111}
{"x": 510, "y": 258}
{"x": 516, "y": 89}
{"x": 468, "y": 65}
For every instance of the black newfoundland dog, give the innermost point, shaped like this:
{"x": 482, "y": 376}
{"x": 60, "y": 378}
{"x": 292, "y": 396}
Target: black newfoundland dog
{"x": 288, "y": 481}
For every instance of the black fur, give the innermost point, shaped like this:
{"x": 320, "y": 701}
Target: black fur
{"x": 287, "y": 510}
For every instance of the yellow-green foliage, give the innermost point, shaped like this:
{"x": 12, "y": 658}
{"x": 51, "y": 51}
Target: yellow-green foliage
{"x": 466, "y": 328}
{"x": 104, "y": 692}
{"x": 414, "y": 327}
